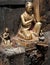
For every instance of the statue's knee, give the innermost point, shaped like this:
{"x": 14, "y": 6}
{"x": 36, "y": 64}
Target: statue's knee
{"x": 39, "y": 23}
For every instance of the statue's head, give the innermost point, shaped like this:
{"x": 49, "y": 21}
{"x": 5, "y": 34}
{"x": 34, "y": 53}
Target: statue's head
{"x": 29, "y": 7}
{"x": 6, "y": 29}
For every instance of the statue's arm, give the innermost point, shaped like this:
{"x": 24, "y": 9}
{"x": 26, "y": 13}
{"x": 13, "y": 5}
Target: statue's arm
{"x": 5, "y": 35}
{"x": 25, "y": 22}
{"x": 34, "y": 19}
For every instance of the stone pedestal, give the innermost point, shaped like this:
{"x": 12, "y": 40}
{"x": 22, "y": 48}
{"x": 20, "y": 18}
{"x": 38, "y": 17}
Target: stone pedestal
{"x": 12, "y": 56}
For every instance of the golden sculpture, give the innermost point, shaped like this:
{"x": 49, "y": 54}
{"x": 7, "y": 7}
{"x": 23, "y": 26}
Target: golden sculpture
{"x": 30, "y": 28}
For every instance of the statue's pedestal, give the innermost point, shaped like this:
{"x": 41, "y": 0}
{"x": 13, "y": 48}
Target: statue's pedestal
{"x": 25, "y": 43}
{"x": 12, "y": 56}
{"x": 24, "y": 52}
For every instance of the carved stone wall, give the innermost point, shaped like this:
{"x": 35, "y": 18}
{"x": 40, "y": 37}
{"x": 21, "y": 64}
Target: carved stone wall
{"x": 2, "y": 2}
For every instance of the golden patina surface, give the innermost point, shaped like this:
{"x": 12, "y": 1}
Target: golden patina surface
{"x": 30, "y": 28}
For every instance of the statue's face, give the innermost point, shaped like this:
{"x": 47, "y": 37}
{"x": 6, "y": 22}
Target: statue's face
{"x": 29, "y": 7}
{"x": 6, "y": 29}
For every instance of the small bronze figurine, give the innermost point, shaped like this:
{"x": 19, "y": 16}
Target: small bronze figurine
{"x": 41, "y": 38}
{"x": 6, "y": 36}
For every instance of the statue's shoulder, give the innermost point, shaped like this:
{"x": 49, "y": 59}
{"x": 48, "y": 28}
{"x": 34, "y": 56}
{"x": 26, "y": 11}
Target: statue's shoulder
{"x": 24, "y": 14}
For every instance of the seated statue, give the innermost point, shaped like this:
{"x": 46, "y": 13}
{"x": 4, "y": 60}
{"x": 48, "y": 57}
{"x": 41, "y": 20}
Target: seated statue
{"x": 6, "y": 36}
{"x": 30, "y": 28}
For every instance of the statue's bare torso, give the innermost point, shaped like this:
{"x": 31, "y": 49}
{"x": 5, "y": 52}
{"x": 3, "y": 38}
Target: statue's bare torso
{"x": 26, "y": 18}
